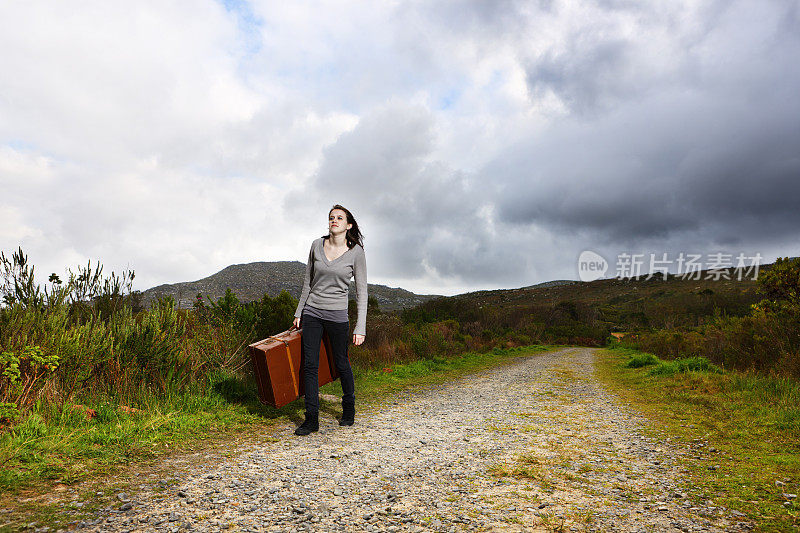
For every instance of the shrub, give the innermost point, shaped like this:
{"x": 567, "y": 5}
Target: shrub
{"x": 23, "y": 373}
{"x": 781, "y": 287}
{"x": 645, "y": 359}
{"x": 437, "y": 339}
{"x": 689, "y": 364}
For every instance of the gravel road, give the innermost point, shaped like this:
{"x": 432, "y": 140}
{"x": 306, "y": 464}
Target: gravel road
{"x": 534, "y": 445}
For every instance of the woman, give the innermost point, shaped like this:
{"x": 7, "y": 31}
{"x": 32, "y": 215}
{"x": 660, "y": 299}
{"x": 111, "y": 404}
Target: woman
{"x": 332, "y": 261}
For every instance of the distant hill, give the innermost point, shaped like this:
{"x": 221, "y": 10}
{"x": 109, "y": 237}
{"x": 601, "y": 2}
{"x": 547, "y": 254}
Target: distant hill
{"x": 251, "y": 280}
{"x": 619, "y": 304}
{"x": 619, "y": 298}
{"x": 554, "y": 283}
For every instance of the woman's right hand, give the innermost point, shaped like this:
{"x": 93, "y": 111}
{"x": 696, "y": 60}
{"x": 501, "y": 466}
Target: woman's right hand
{"x": 297, "y": 322}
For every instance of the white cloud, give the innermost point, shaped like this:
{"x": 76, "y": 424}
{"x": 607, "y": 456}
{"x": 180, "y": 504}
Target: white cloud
{"x": 132, "y": 136}
{"x": 182, "y": 137}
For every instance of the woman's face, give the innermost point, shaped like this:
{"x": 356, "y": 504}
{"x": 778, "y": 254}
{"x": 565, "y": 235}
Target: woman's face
{"x": 337, "y": 222}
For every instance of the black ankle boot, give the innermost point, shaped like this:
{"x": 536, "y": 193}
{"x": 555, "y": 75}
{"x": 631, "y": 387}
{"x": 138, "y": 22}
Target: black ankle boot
{"x": 348, "y": 415}
{"x": 310, "y": 425}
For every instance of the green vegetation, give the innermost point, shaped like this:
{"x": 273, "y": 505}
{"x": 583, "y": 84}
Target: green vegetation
{"x": 565, "y": 322}
{"x": 640, "y": 360}
{"x": 687, "y": 364}
{"x": 767, "y": 339}
{"x": 732, "y": 321}
{"x": 82, "y": 342}
{"x": 741, "y": 430}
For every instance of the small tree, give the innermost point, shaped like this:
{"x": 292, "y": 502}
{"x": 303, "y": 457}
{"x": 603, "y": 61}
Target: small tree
{"x": 373, "y": 308}
{"x": 17, "y": 282}
{"x": 781, "y": 287}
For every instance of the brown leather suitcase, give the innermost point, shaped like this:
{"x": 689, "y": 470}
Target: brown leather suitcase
{"x": 278, "y": 362}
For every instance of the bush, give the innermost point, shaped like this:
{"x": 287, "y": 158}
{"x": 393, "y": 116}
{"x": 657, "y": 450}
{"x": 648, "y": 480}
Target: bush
{"x": 762, "y": 342}
{"x": 437, "y": 339}
{"x": 645, "y": 359}
{"x": 689, "y": 364}
{"x": 22, "y": 375}
{"x": 781, "y": 287}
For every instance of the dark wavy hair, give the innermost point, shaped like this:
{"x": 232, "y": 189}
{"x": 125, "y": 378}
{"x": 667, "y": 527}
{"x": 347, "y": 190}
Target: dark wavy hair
{"x": 353, "y": 235}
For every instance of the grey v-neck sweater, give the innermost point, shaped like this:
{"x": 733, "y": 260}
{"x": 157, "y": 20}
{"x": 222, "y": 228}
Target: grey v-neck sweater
{"x": 327, "y": 283}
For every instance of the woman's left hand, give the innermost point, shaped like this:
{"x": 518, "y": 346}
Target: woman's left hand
{"x": 358, "y": 339}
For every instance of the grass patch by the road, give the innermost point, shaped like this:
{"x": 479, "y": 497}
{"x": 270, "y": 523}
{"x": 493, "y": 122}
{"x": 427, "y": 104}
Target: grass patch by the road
{"x": 63, "y": 447}
{"x": 743, "y": 429}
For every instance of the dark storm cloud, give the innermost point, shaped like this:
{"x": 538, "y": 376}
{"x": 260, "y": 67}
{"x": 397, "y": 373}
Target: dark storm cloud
{"x": 714, "y": 154}
{"x": 654, "y": 175}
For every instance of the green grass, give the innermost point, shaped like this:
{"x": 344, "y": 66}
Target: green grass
{"x": 65, "y": 446}
{"x": 62, "y": 448}
{"x": 751, "y": 421}
{"x": 640, "y": 360}
{"x": 683, "y": 365}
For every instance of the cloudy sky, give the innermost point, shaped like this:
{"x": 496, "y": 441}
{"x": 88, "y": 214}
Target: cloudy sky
{"x": 480, "y": 144}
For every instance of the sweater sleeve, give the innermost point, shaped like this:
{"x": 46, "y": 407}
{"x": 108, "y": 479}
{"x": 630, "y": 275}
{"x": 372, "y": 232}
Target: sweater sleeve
{"x": 306, "y": 284}
{"x": 360, "y": 276}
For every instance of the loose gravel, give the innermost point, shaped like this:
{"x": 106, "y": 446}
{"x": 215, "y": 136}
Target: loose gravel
{"x": 534, "y": 445}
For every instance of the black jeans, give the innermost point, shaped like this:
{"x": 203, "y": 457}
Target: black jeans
{"x": 338, "y": 333}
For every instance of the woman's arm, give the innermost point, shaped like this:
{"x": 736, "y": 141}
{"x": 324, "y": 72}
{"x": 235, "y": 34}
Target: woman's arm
{"x": 306, "y": 284}
{"x": 360, "y": 275}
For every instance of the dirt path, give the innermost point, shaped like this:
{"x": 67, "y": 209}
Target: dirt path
{"x": 535, "y": 445}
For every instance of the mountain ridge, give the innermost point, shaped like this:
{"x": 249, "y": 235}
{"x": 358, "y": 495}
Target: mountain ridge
{"x": 250, "y": 281}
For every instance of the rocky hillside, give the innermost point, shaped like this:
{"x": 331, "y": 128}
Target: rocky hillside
{"x": 250, "y": 281}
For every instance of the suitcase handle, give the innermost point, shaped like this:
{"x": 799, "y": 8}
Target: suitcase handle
{"x": 291, "y": 365}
